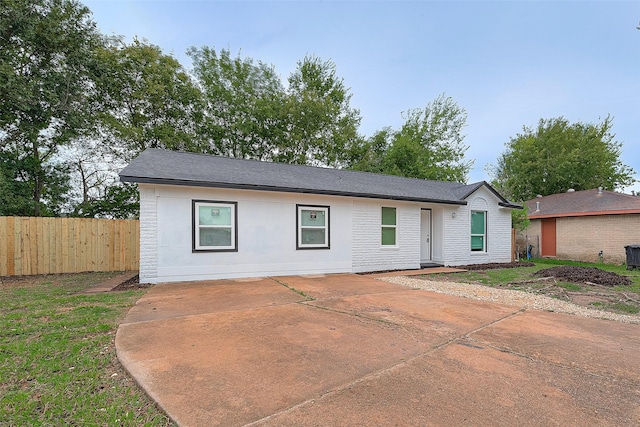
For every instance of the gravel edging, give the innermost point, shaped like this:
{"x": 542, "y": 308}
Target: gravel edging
{"x": 508, "y": 297}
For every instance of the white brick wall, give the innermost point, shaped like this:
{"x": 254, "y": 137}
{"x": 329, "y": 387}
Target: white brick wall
{"x": 458, "y": 231}
{"x": 165, "y": 235}
{"x": 148, "y": 235}
{"x": 367, "y": 252}
{"x": 266, "y": 236}
{"x": 456, "y": 236}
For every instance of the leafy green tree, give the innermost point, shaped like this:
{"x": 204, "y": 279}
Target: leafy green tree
{"x": 520, "y": 218}
{"x": 250, "y": 114}
{"x": 319, "y": 123}
{"x": 243, "y": 104}
{"x": 120, "y": 201}
{"x": 16, "y": 187}
{"x": 368, "y": 155}
{"x": 429, "y": 145}
{"x": 46, "y": 60}
{"x": 15, "y": 196}
{"x": 144, "y": 99}
{"x": 558, "y": 155}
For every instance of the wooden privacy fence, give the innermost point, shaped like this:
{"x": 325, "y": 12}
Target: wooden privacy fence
{"x": 30, "y": 245}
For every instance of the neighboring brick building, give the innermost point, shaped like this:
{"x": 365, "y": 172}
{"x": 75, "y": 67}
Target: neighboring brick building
{"x": 583, "y": 225}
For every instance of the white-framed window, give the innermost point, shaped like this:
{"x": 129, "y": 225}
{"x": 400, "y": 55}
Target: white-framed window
{"x": 215, "y": 226}
{"x": 388, "y": 224}
{"x": 312, "y": 227}
{"x": 478, "y": 231}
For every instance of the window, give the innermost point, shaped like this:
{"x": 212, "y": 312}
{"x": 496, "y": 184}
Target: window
{"x": 478, "y": 231}
{"x": 214, "y": 226}
{"x": 312, "y": 227}
{"x": 388, "y": 227}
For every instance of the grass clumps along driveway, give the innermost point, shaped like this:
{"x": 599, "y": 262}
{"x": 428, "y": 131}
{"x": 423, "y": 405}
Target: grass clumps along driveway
{"x": 58, "y": 363}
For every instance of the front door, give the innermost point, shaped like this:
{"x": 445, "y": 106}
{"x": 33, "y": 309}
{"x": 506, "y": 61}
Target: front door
{"x": 425, "y": 235}
{"x": 548, "y": 243}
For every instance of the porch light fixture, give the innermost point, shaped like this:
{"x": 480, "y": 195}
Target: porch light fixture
{"x": 453, "y": 214}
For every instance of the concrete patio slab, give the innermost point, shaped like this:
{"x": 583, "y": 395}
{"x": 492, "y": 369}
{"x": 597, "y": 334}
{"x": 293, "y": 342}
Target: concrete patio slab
{"x": 350, "y": 350}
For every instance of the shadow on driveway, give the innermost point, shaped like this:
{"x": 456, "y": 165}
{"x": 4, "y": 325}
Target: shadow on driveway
{"x": 347, "y": 350}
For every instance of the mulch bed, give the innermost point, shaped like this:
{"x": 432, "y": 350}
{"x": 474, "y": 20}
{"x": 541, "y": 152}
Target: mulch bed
{"x": 494, "y": 265}
{"x": 576, "y": 274}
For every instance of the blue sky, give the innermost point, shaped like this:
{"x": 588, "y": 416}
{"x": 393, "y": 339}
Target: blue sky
{"x": 508, "y": 64}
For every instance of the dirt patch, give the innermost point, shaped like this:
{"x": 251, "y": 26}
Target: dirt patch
{"x": 587, "y": 275}
{"x": 583, "y": 286}
{"x": 133, "y": 283}
{"x": 494, "y": 265}
{"x": 19, "y": 281}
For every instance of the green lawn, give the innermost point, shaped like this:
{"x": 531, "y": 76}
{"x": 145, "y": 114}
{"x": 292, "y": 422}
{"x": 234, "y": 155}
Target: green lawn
{"x": 58, "y": 364}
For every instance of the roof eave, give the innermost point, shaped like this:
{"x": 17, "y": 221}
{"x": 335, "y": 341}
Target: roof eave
{"x": 503, "y": 202}
{"x": 592, "y": 213}
{"x": 167, "y": 181}
{"x": 510, "y": 205}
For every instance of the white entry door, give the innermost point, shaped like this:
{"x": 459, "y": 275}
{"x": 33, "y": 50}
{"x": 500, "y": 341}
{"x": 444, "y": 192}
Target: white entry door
{"x": 425, "y": 235}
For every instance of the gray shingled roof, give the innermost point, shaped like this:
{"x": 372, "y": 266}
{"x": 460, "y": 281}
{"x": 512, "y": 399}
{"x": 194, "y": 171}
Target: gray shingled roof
{"x": 156, "y": 166}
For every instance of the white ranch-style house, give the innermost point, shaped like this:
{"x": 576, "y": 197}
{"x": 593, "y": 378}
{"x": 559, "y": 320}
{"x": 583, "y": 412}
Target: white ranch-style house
{"x": 206, "y": 217}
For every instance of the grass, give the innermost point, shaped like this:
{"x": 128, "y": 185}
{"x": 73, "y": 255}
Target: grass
{"x": 58, "y": 364}
{"x": 626, "y": 308}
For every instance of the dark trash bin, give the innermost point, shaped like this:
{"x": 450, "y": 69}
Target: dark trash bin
{"x": 633, "y": 256}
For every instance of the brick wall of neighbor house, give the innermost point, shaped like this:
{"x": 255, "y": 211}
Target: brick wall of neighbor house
{"x": 530, "y": 236}
{"x": 367, "y": 252}
{"x": 582, "y": 238}
{"x": 148, "y": 235}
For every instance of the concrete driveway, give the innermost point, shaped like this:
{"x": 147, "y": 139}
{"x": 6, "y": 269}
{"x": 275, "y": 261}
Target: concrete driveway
{"x": 349, "y": 350}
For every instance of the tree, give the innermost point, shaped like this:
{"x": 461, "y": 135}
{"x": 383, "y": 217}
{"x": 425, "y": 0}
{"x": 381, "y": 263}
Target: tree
{"x": 95, "y": 187}
{"x": 46, "y": 60}
{"x": 557, "y": 156}
{"x": 144, "y": 99}
{"x": 368, "y": 155}
{"x": 141, "y": 99}
{"x": 320, "y": 124}
{"x": 429, "y": 145}
{"x": 250, "y": 114}
{"x": 520, "y": 218}
{"x": 16, "y": 187}
{"x": 243, "y": 104}
{"x": 120, "y": 200}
